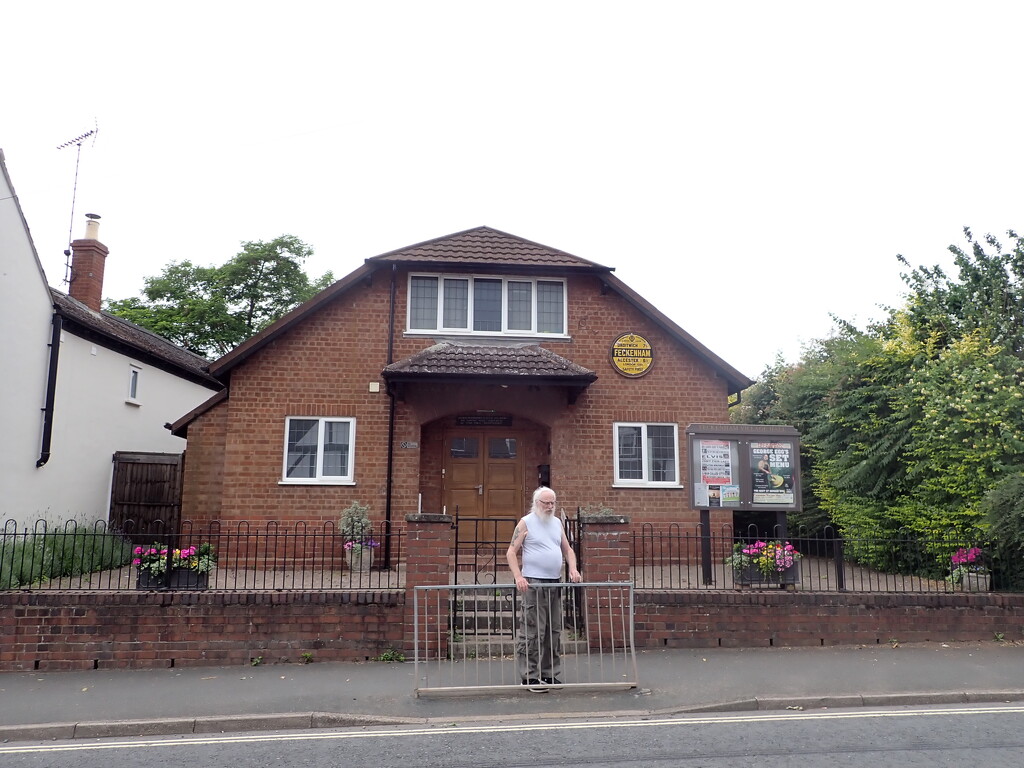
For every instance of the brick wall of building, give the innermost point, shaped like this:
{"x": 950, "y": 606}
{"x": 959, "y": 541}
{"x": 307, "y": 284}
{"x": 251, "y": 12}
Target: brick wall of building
{"x": 324, "y": 367}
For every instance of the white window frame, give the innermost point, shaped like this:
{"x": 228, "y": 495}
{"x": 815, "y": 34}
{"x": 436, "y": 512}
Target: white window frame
{"x": 348, "y": 478}
{"x": 134, "y": 380}
{"x": 467, "y": 330}
{"x": 644, "y": 481}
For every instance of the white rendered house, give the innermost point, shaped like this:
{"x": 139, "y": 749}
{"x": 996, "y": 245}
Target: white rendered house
{"x": 78, "y": 384}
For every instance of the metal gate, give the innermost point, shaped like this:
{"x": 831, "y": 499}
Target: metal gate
{"x": 464, "y": 638}
{"x": 480, "y": 559}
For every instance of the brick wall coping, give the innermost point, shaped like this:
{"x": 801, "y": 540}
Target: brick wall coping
{"x": 427, "y": 517}
{"x": 603, "y": 518}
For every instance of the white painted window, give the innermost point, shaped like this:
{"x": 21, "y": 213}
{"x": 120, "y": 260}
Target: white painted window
{"x": 319, "y": 450}
{"x": 134, "y": 377}
{"x": 486, "y": 305}
{"x": 646, "y": 454}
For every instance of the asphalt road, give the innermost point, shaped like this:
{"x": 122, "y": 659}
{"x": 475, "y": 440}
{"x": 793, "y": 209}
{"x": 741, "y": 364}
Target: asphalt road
{"x": 990, "y": 736}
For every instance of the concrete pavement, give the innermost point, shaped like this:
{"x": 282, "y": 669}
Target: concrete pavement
{"x": 127, "y": 702}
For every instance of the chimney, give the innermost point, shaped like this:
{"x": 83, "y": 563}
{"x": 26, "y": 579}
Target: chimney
{"x": 89, "y": 256}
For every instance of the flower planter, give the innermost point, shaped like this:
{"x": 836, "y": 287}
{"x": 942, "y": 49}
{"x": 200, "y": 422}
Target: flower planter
{"x": 752, "y": 576}
{"x": 976, "y": 582}
{"x": 181, "y": 578}
{"x": 359, "y": 559}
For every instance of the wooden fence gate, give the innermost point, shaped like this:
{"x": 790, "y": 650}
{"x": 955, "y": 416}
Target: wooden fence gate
{"x": 145, "y": 494}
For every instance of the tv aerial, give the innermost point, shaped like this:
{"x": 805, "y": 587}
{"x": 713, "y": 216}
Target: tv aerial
{"x": 75, "y": 142}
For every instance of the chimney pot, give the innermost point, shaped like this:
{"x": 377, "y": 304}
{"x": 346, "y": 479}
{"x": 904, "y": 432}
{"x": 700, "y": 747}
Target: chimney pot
{"x": 92, "y": 226}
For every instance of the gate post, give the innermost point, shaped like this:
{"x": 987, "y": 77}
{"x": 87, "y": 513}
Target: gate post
{"x": 428, "y": 549}
{"x": 607, "y": 553}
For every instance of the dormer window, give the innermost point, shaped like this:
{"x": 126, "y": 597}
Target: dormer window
{"x": 486, "y": 305}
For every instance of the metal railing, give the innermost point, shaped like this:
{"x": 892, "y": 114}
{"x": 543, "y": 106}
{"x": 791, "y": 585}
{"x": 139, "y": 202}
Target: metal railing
{"x": 672, "y": 557}
{"x": 274, "y": 556}
{"x": 465, "y": 638}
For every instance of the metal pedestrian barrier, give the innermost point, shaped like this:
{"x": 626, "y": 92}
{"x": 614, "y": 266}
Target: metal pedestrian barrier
{"x": 465, "y": 637}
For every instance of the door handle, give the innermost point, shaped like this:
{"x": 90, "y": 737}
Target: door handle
{"x": 480, "y": 490}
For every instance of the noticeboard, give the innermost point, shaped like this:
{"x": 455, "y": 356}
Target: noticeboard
{"x": 744, "y": 466}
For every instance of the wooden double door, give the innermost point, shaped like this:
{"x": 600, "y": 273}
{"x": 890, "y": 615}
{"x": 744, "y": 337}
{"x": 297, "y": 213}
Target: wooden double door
{"x": 484, "y": 478}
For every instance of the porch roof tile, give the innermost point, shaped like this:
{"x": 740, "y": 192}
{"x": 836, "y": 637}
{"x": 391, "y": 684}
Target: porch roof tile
{"x": 452, "y": 359}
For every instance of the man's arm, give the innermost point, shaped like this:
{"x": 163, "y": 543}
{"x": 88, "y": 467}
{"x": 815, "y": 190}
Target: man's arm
{"x": 512, "y": 555}
{"x": 570, "y": 558}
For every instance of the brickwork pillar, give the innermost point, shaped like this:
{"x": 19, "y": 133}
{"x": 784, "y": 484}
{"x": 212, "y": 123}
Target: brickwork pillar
{"x": 607, "y": 556}
{"x": 428, "y": 550}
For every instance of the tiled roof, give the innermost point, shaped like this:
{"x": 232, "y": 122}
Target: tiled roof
{"x": 486, "y": 246}
{"x": 450, "y": 359}
{"x": 119, "y": 332}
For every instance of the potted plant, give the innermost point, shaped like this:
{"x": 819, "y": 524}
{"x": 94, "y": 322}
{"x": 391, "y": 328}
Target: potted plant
{"x": 968, "y": 570}
{"x": 357, "y": 531}
{"x": 774, "y": 562}
{"x": 160, "y": 566}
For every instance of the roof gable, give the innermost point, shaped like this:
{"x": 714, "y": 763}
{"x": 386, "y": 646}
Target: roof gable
{"x": 484, "y": 246}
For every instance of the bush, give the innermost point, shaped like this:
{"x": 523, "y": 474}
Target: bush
{"x": 355, "y": 522}
{"x": 1003, "y": 508}
{"x": 28, "y": 558}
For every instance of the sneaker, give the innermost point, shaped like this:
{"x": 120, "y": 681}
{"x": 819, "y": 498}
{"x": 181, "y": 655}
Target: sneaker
{"x": 551, "y": 681}
{"x": 536, "y": 686}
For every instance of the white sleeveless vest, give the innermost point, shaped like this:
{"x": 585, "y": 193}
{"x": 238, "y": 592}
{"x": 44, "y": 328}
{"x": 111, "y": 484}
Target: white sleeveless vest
{"x": 542, "y": 548}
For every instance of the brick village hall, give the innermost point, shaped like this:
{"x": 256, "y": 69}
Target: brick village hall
{"x": 455, "y": 375}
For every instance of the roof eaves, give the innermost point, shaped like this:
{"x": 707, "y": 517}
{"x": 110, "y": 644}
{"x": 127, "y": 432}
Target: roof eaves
{"x": 127, "y": 338}
{"x": 179, "y": 428}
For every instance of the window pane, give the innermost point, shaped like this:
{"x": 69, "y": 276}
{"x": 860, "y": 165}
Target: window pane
{"x": 550, "y": 307}
{"x": 662, "y": 450}
{"x": 520, "y": 306}
{"x": 501, "y": 447}
{"x": 456, "y": 303}
{"x": 302, "y": 442}
{"x": 465, "y": 447}
{"x": 487, "y": 305}
{"x": 423, "y": 302}
{"x": 631, "y": 459}
{"x": 336, "y": 445}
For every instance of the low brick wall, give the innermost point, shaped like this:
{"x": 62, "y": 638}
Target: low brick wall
{"x": 96, "y": 630}
{"x": 752, "y": 619}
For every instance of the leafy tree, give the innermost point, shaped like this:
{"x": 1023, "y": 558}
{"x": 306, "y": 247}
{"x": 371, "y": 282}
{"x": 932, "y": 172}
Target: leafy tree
{"x": 211, "y": 310}
{"x": 988, "y": 295}
{"x": 908, "y": 424}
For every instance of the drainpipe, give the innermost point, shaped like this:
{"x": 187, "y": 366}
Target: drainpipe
{"x": 51, "y": 388}
{"x": 391, "y": 429}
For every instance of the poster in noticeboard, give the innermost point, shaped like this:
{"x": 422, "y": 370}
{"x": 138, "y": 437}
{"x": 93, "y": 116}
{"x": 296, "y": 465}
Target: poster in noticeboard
{"x": 718, "y": 483}
{"x": 771, "y": 465}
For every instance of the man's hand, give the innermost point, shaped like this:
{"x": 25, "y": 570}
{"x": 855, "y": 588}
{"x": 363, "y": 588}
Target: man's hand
{"x": 574, "y": 575}
{"x": 522, "y": 584}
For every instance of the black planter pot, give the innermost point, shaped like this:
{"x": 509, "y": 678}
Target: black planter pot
{"x": 181, "y": 578}
{"x": 751, "y": 576}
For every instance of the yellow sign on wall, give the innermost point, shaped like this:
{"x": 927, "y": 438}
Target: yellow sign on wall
{"x": 632, "y": 355}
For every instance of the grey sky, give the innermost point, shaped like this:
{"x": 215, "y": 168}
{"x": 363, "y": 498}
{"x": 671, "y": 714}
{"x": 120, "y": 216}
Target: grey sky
{"x": 749, "y": 167}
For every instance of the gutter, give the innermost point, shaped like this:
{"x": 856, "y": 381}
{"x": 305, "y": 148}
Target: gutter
{"x": 389, "y": 482}
{"x": 51, "y": 388}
